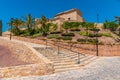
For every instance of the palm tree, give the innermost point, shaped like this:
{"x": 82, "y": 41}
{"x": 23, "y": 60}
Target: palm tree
{"x": 45, "y": 26}
{"x": 0, "y": 27}
{"x": 43, "y": 22}
{"x": 112, "y": 26}
{"x": 117, "y": 19}
{"x": 17, "y": 24}
{"x": 29, "y": 22}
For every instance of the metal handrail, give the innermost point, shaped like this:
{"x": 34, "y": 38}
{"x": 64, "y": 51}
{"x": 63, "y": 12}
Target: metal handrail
{"x": 65, "y": 48}
{"x": 78, "y": 53}
{"x": 78, "y": 47}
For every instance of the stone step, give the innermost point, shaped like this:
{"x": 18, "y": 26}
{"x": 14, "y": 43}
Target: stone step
{"x": 66, "y": 69}
{"x": 66, "y": 66}
{"x": 86, "y": 58}
{"x": 62, "y": 60}
{"x": 64, "y": 56}
{"x": 81, "y": 57}
{"x": 76, "y": 57}
{"x": 55, "y": 58}
{"x": 65, "y": 63}
{"x": 66, "y": 60}
{"x": 70, "y": 55}
{"x": 89, "y": 61}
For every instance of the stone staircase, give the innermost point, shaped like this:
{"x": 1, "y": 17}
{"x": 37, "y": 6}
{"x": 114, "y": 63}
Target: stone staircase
{"x": 117, "y": 39}
{"x": 65, "y": 60}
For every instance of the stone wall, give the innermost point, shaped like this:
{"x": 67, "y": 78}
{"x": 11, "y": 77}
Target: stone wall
{"x": 24, "y": 70}
{"x": 104, "y": 50}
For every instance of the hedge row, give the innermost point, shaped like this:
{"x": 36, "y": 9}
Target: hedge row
{"x": 74, "y": 29}
{"x": 68, "y": 34}
{"x": 52, "y": 36}
{"x": 56, "y": 32}
{"x": 88, "y": 40}
{"x": 64, "y": 38}
{"x": 94, "y": 35}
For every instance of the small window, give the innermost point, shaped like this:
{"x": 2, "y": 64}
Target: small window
{"x": 68, "y": 18}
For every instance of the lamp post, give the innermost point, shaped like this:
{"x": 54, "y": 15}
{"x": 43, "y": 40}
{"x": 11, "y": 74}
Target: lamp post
{"x": 97, "y": 43}
{"x": 97, "y": 30}
{"x": 11, "y": 23}
{"x": 46, "y": 42}
{"x": 97, "y": 18}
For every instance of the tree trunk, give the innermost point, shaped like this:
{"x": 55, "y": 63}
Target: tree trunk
{"x": 29, "y": 30}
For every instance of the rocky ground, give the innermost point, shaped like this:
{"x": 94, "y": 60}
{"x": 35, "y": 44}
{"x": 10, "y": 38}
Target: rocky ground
{"x": 105, "y": 68}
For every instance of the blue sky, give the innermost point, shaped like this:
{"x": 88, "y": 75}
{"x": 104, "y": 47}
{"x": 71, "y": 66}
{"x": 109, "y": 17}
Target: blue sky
{"x": 107, "y": 9}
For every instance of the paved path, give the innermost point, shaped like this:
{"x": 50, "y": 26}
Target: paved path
{"x": 7, "y": 58}
{"x": 106, "y": 68}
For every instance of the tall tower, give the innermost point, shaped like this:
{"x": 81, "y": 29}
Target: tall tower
{"x": 0, "y": 27}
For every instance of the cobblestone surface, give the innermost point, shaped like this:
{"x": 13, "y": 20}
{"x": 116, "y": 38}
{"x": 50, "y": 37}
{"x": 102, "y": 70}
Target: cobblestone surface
{"x": 105, "y": 68}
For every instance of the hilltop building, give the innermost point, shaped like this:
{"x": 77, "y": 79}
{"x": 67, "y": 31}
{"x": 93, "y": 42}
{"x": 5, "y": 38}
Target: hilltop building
{"x": 73, "y": 15}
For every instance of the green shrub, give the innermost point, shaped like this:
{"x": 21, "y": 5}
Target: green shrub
{"x": 98, "y": 35}
{"x": 67, "y": 38}
{"x": 81, "y": 40}
{"x": 25, "y": 34}
{"x": 56, "y": 32}
{"x": 39, "y": 30}
{"x": 94, "y": 29}
{"x": 74, "y": 29}
{"x": 52, "y": 36}
{"x": 68, "y": 34}
{"x": 37, "y": 35}
{"x": 107, "y": 35}
{"x": 83, "y": 33}
{"x": 59, "y": 38}
{"x": 94, "y": 35}
{"x": 92, "y": 40}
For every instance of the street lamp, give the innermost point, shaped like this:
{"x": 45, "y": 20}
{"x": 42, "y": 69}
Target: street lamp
{"x": 11, "y": 23}
{"x": 97, "y": 18}
{"x": 46, "y": 42}
{"x": 97, "y": 30}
